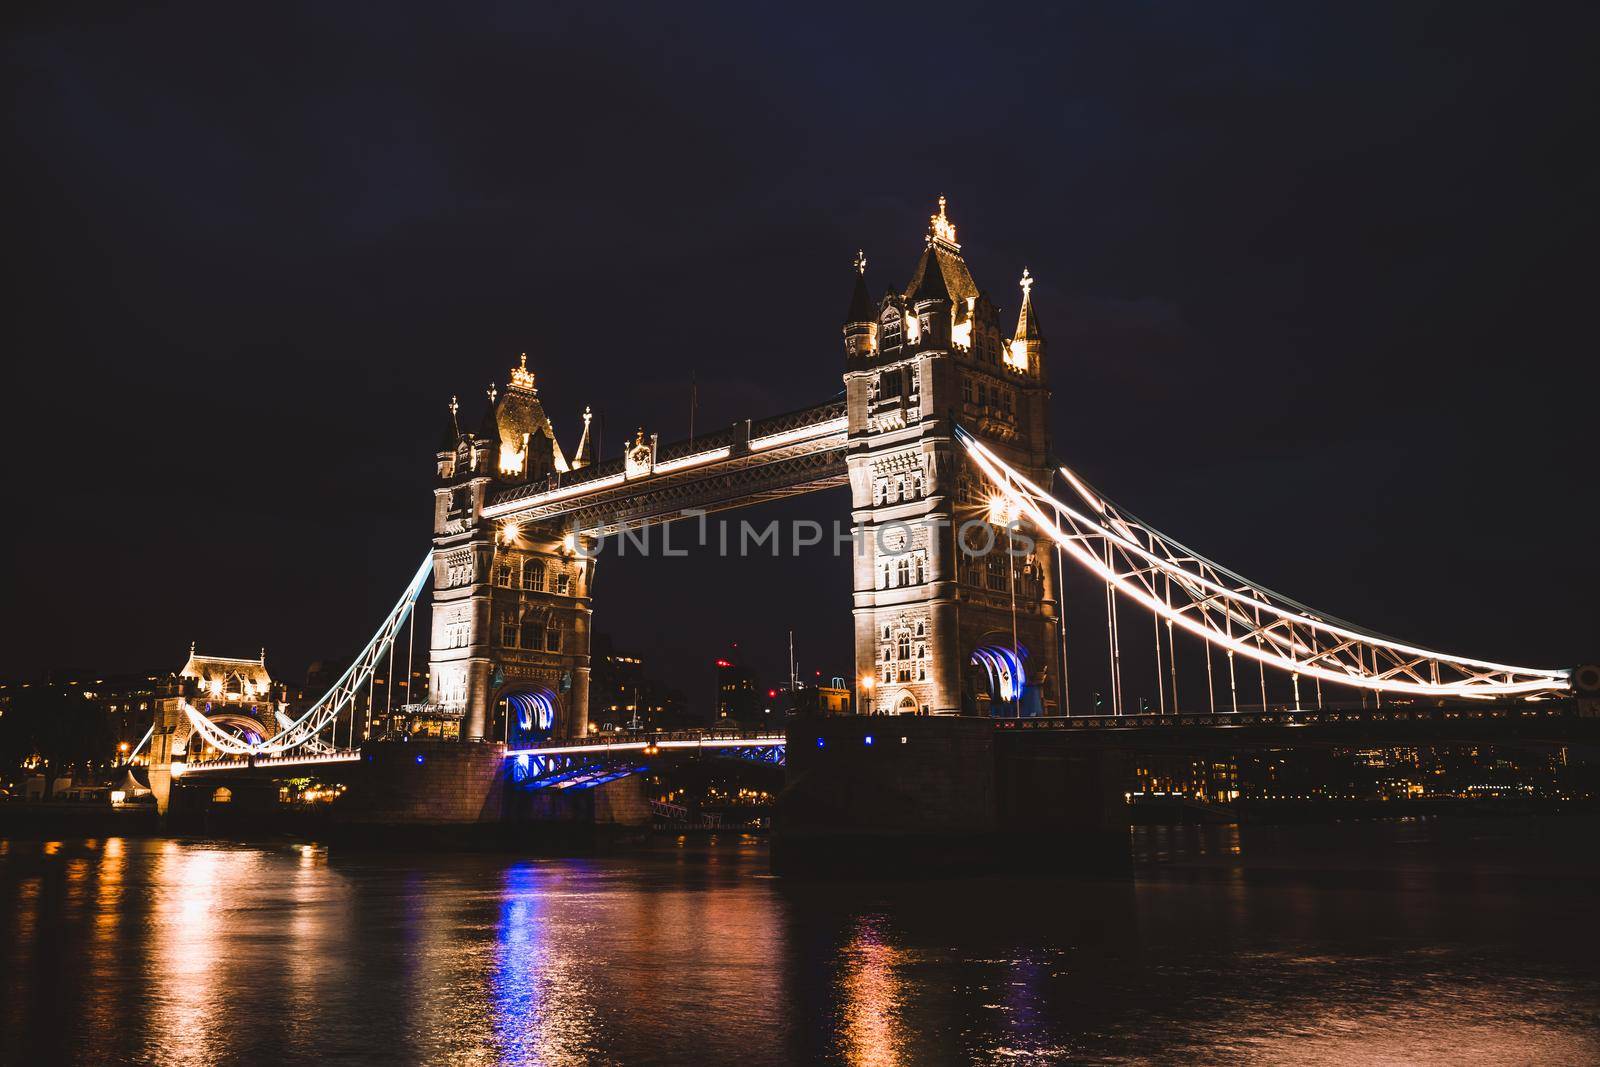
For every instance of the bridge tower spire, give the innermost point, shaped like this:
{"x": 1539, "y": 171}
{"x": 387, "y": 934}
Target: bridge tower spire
{"x": 946, "y": 622}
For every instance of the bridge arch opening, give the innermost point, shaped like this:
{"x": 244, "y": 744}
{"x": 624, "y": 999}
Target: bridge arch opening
{"x": 998, "y": 684}
{"x": 531, "y": 716}
{"x": 193, "y": 745}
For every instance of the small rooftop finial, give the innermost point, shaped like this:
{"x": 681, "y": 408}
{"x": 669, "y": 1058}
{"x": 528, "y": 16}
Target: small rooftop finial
{"x": 941, "y": 228}
{"x": 263, "y": 653}
{"x": 521, "y": 376}
{"x": 586, "y": 415}
{"x": 861, "y": 261}
{"x": 1027, "y": 283}
{"x": 455, "y": 404}
{"x": 493, "y": 393}
{"x": 191, "y": 648}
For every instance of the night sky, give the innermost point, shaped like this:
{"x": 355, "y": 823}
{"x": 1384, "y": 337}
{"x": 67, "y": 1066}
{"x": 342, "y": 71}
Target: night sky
{"x": 1318, "y": 286}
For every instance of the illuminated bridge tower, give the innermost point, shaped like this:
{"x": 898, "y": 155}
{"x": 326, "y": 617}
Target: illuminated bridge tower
{"x": 511, "y": 605}
{"x": 942, "y": 625}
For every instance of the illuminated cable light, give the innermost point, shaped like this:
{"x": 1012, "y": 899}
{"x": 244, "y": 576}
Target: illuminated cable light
{"x": 1542, "y": 681}
{"x": 314, "y": 720}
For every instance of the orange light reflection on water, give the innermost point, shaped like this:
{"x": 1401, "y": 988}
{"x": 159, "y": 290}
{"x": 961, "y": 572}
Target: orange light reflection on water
{"x": 872, "y": 994}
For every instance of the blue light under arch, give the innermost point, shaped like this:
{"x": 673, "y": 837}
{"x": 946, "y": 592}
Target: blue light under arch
{"x": 1007, "y": 677}
{"x": 533, "y": 716}
{"x": 1009, "y": 689}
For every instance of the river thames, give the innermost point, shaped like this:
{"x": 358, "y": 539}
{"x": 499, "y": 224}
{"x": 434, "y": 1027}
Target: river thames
{"x": 1352, "y": 943}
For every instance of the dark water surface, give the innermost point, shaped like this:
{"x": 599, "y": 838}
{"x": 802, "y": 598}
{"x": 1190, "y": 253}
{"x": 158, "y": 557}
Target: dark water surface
{"x": 1357, "y": 943}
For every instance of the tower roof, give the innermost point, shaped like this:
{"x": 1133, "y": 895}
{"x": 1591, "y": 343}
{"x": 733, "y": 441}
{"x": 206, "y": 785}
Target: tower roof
{"x": 861, "y": 309}
{"x": 930, "y": 282}
{"x": 1027, "y": 321}
{"x": 943, "y": 252}
{"x": 207, "y": 668}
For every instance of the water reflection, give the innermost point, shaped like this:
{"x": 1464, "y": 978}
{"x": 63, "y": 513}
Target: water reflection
{"x": 871, "y": 993}
{"x": 542, "y": 1007}
{"x": 1350, "y": 944}
{"x": 189, "y": 943}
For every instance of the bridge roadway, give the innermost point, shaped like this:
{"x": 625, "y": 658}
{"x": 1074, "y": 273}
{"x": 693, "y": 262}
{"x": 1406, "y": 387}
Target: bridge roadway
{"x": 751, "y": 462}
{"x": 1556, "y": 722}
{"x": 762, "y": 745}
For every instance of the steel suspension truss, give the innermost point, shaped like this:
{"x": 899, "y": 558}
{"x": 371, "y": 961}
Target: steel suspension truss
{"x": 302, "y": 734}
{"x": 592, "y": 763}
{"x": 1238, "y": 616}
{"x": 569, "y": 771}
{"x": 773, "y": 754}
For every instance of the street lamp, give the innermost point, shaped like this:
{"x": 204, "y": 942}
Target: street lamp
{"x": 867, "y": 682}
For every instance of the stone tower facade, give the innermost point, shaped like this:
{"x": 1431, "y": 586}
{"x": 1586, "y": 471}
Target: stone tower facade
{"x": 946, "y": 622}
{"x": 511, "y": 605}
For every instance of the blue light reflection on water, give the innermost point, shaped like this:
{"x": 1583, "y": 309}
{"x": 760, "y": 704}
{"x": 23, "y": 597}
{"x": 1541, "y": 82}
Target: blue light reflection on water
{"x": 520, "y": 967}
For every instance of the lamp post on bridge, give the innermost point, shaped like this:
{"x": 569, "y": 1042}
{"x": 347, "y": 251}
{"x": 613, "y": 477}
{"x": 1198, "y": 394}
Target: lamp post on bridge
{"x": 865, "y": 693}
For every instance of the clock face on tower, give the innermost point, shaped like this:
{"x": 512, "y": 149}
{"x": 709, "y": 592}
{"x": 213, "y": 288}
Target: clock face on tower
{"x": 894, "y": 539}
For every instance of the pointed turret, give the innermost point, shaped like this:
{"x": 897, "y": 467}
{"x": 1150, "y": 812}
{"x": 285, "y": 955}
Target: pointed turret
{"x": 861, "y": 309}
{"x": 860, "y": 324}
{"x": 452, "y": 430}
{"x": 445, "y": 458}
{"x": 489, "y": 425}
{"x": 930, "y": 296}
{"x": 580, "y": 458}
{"x": 1027, "y": 346}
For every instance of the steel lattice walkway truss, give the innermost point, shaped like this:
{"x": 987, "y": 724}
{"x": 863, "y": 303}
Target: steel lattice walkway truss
{"x": 1231, "y": 613}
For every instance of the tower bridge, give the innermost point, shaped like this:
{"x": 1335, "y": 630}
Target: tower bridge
{"x": 942, "y": 425}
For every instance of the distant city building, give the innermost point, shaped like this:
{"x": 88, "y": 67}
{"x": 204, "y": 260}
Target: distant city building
{"x": 622, "y": 696}
{"x": 830, "y": 697}
{"x": 740, "y": 698}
